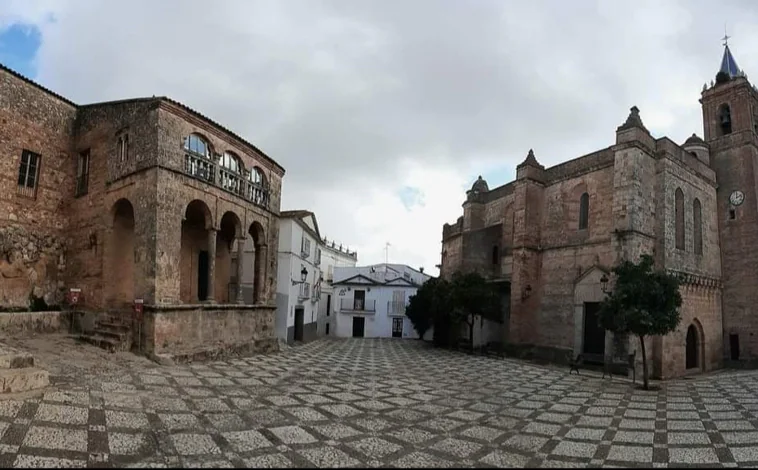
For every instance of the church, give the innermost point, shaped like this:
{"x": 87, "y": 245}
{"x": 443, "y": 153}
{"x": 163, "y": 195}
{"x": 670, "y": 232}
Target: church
{"x": 551, "y": 237}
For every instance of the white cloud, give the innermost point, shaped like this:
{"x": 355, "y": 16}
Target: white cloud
{"x": 360, "y": 99}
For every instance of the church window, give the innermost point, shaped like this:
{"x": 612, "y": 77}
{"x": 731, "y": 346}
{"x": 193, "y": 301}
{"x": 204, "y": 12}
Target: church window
{"x": 679, "y": 218}
{"x": 725, "y": 119}
{"x": 584, "y": 211}
{"x": 697, "y": 219}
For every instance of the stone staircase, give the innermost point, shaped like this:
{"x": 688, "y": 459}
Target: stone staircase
{"x": 18, "y": 374}
{"x": 112, "y": 332}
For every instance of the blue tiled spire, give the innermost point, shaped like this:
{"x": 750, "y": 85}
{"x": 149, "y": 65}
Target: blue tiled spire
{"x": 728, "y": 64}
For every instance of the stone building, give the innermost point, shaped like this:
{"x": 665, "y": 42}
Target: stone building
{"x": 140, "y": 198}
{"x": 552, "y": 236}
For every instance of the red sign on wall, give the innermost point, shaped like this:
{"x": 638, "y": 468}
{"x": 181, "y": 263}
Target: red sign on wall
{"x": 139, "y": 305}
{"x": 74, "y": 295}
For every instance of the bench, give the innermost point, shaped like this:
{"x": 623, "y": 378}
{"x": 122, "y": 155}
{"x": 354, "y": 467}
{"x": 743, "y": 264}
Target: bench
{"x": 575, "y": 363}
{"x": 607, "y": 369}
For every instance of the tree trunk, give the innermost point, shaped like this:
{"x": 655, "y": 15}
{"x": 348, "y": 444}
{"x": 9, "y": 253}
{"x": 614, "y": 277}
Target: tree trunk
{"x": 471, "y": 332}
{"x": 644, "y": 364}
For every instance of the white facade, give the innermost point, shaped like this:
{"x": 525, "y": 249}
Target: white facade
{"x": 297, "y": 303}
{"x": 333, "y": 256}
{"x": 370, "y": 301}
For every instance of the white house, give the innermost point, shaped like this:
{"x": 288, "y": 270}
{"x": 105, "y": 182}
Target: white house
{"x": 298, "y": 276}
{"x": 370, "y": 301}
{"x": 333, "y": 255}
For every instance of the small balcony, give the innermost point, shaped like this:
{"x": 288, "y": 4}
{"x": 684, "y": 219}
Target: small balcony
{"x": 305, "y": 291}
{"x": 396, "y": 309}
{"x": 205, "y": 170}
{"x": 358, "y": 305}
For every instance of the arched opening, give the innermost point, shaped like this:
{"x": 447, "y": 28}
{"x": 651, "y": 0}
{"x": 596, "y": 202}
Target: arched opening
{"x": 195, "y": 258}
{"x": 258, "y": 192}
{"x": 259, "y": 265}
{"x": 697, "y": 226}
{"x": 679, "y": 219}
{"x": 230, "y": 230}
{"x": 584, "y": 211}
{"x": 692, "y": 359}
{"x": 725, "y": 119}
{"x": 495, "y": 255}
{"x": 231, "y": 172}
{"x": 120, "y": 286}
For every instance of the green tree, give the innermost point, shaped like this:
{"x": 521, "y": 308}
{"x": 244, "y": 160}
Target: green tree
{"x": 426, "y": 304}
{"x": 644, "y": 302}
{"x": 473, "y": 298}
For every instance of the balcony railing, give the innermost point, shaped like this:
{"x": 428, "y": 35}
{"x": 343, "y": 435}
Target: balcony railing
{"x": 395, "y": 308}
{"x": 304, "y": 292}
{"x": 207, "y": 171}
{"x": 358, "y": 305}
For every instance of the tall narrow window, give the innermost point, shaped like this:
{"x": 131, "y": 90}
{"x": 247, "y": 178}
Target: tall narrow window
{"x": 679, "y": 218}
{"x": 82, "y": 174}
{"x": 495, "y": 255}
{"x": 584, "y": 211}
{"x": 28, "y": 174}
{"x": 123, "y": 148}
{"x": 725, "y": 119}
{"x": 697, "y": 228}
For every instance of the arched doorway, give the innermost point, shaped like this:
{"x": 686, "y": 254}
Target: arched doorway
{"x": 692, "y": 358}
{"x": 230, "y": 229}
{"x": 120, "y": 285}
{"x": 259, "y": 267}
{"x": 194, "y": 255}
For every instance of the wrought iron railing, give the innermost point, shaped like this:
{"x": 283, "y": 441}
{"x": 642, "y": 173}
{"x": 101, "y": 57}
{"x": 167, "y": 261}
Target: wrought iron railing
{"x": 358, "y": 305}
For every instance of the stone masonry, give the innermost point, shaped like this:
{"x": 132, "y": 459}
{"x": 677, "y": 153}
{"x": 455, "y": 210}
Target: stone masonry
{"x": 553, "y": 234}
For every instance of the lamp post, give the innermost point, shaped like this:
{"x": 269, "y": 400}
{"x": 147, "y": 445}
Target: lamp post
{"x": 604, "y": 283}
{"x": 303, "y": 277}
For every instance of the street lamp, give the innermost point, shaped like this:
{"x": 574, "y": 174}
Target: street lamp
{"x": 604, "y": 283}
{"x": 303, "y": 277}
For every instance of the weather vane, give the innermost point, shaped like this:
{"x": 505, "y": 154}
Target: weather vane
{"x": 726, "y": 37}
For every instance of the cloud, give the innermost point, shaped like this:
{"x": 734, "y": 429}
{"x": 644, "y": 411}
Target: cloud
{"x": 359, "y": 100}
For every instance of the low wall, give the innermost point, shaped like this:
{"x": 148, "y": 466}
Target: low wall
{"x": 30, "y": 323}
{"x": 207, "y": 331}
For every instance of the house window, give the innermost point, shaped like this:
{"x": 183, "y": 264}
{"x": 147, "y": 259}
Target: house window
{"x": 123, "y": 147}
{"x": 197, "y": 145}
{"x": 82, "y": 174}
{"x": 679, "y": 219}
{"x": 232, "y": 167}
{"x": 28, "y": 174}
{"x": 732, "y": 214}
{"x": 584, "y": 211}
{"x": 327, "y": 328}
{"x": 697, "y": 219}
{"x": 305, "y": 247}
{"x": 318, "y": 256}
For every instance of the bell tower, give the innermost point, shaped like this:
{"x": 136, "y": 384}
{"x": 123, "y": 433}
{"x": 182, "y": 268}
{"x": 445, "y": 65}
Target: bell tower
{"x": 730, "y": 121}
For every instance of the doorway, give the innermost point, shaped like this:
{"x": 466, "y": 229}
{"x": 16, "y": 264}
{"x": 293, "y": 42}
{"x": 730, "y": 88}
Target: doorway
{"x": 397, "y": 327}
{"x": 691, "y": 359}
{"x": 328, "y": 304}
{"x": 299, "y": 323}
{"x": 734, "y": 346}
{"x": 359, "y": 325}
{"x": 202, "y": 275}
{"x": 594, "y": 334}
{"x": 359, "y": 299}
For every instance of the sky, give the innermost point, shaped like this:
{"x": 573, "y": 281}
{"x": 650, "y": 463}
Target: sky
{"x": 384, "y": 112}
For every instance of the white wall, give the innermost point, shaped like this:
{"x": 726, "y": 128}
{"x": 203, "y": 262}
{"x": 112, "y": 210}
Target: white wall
{"x": 334, "y": 258}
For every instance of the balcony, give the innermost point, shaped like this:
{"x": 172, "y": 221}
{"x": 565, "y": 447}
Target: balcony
{"x": 357, "y": 306}
{"x": 395, "y": 309}
{"x": 205, "y": 170}
{"x": 304, "y": 292}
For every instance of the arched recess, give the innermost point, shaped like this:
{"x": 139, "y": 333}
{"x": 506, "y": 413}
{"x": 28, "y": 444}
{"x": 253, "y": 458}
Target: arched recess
{"x": 120, "y": 258}
{"x": 577, "y": 196}
{"x": 694, "y": 347}
{"x": 258, "y": 235}
{"x": 230, "y": 230}
{"x": 725, "y": 119}
{"x": 679, "y": 219}
{"x": 697, "y": 226}
{"x": 194, "y": 255}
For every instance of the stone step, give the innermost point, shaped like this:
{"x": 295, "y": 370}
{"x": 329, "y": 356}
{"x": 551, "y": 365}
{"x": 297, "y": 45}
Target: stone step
{"x": 114, "y": 327}
{"x": 15, "y": 360}
{"x": 109, "y": 344}
{"x": 115, "y": 335}
{"x": 22, "y": 380}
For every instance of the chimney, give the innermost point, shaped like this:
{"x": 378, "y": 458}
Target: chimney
{"x": 421, "y": 270}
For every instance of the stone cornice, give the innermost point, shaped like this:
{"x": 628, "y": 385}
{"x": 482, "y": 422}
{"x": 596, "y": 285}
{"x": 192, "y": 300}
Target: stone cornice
{"x": 696, "y": 280}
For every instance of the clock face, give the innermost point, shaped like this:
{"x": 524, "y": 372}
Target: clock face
{"x": 736, "y": 198}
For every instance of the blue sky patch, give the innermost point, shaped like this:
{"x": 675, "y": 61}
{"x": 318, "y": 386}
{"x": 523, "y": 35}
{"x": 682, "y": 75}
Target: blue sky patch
{"x": 18, "y": 46}
{"x": 411, "y": 197}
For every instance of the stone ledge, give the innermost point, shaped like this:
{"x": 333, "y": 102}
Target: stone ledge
{"x": 215, "y": 353}
{"x": 175, "y": 307}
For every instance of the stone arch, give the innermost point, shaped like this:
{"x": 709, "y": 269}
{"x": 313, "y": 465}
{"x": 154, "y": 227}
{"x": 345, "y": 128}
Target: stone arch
{"x": 725, "y": 119}
{"x": 679, "y": 219}
{"x": 694, "y": 346}
{"x": 190, "y": 144}
{"x": 258, "y": 234}
{"x": 120, "y": 258}
{"x": 197, "y": 234}
{"x": 229, "y": 234}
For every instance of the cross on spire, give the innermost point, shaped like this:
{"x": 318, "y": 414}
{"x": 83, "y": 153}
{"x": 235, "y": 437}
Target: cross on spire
{"x": 726, "y": 37}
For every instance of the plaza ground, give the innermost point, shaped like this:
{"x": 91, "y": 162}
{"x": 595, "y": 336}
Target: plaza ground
{"x": 368, "y": 403}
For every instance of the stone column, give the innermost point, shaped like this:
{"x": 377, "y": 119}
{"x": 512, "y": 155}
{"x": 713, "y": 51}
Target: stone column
{"x": 260, "y": 276}
{"x": 211, "y": 265}
{"x": 240, "y": 265}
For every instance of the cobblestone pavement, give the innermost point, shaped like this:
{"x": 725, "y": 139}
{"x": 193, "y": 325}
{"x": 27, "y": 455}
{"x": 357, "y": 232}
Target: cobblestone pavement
{"x": 374, "y": 403}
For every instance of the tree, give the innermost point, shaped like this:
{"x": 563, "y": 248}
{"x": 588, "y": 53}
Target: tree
{"x": 425, "y": 304}
{"x": 473, "y": 298}
{"x": 644, "y": 302}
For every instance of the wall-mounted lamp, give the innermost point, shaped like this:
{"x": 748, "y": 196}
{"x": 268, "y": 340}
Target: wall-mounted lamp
{"x": 604, "y": 283}
{"x": 303, "y": 277}
{"x": 527, "y": 292}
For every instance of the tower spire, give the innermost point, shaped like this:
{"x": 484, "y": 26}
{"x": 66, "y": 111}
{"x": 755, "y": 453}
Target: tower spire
{"x": 728, "y": 64}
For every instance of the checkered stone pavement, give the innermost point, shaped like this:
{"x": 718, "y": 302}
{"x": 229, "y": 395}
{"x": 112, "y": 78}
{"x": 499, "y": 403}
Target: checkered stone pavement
{"x": 378, "y": 403}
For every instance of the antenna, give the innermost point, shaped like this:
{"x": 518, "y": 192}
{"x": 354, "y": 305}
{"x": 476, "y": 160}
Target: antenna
{"x": 387, "y": 252}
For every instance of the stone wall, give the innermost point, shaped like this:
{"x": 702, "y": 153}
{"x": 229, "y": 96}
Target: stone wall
{"x": 183, "y": 329}
{"x": 30, "y": 323}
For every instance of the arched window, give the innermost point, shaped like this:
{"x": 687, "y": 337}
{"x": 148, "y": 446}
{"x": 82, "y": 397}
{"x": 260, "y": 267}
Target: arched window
{"x": 679, "y": 218}
{"x": 197, "y": 145}
{"x": 231, "y": 171}
{"x": 584, "y": 211}
{"x": 495, "y": 255}
{"x": 231, "y": 162}
{"x": 725, "y": 119}
{"x": 697, "y": 226}
{"x": 258, "y": 191}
